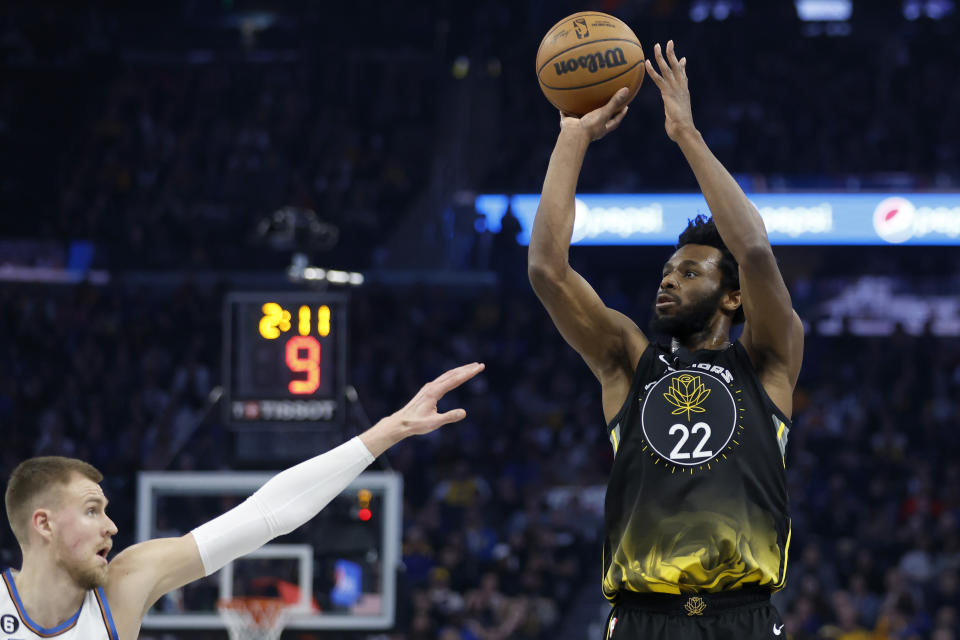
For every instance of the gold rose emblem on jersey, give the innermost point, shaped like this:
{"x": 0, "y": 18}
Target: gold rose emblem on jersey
{"x": 687, "y": 393}
{"x": 695, "y": 606}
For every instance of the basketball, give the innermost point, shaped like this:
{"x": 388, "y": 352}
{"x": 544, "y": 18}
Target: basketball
{"x": 585, "y": 58}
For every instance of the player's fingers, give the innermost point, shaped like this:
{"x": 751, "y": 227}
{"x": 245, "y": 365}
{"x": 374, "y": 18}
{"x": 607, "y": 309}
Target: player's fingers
{"x": 454, "y": 378}
{"x": 454, "y": 415}
{"x": 672, "y": 55}
{"x": 615, "y": 121}
{"x": 665, "y": 69}
{"x": 462, "y": 374}
{"x": 681, "y": 67}
{"x": 450, "y": 373}
{"x": 656, "y": 77}
{"x": 617, "y": 101}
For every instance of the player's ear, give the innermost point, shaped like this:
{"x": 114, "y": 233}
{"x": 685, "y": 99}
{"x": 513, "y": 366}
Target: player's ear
{"x": 41, "y": 523}
{"x": 731, "y": 301}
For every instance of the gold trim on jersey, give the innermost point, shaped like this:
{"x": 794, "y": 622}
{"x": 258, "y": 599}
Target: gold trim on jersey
{"x": 786, "y": 557}
{"x": 783, "y": 434}
{"x": 615, "y": 438}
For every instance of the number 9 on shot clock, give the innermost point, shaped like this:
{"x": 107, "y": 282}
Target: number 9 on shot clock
{"x": 284, "y": 358}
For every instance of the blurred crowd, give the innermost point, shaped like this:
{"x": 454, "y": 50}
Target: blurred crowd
{"x": 168, "y": 135}
{"x": 770, "y": 101}
{"x": 177, "y": 153}
{"x": 117, "y": 376}
{"x": 875, "y": 490}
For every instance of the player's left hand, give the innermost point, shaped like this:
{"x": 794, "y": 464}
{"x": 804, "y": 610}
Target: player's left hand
{"x": 421, "y": 416}
{"x": 672, "y": 82}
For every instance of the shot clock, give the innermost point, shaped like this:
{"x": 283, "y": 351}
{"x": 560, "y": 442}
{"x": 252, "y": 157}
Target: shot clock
{"x": 284, "y": 358}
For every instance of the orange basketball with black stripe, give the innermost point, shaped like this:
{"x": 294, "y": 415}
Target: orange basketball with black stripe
{"x": 585, "y": 58}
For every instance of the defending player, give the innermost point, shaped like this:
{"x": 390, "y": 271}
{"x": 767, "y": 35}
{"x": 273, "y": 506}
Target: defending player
{"x": 67, "y": 588}
{"x": 697, "y": 523}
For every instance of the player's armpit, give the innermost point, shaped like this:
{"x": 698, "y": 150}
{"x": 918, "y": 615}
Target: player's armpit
{"x": 143, "y": 573}
{"x": 609, "y": 342}
{"x": 773, "y": 335}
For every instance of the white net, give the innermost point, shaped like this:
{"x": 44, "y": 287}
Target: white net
{"x": 253, "y": 618}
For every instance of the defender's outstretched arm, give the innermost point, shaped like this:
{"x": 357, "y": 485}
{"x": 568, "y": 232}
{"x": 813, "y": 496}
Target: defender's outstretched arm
{"x": 140, "y": 575}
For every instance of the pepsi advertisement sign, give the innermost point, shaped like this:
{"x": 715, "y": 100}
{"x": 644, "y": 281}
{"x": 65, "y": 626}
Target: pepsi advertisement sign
{"x": 790, "y": 218}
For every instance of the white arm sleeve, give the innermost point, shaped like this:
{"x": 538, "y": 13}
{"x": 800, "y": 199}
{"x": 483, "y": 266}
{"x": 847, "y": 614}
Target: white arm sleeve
{"x": 284, "y": 503}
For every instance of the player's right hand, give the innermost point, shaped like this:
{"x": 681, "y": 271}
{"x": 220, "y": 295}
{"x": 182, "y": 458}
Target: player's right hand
{"x": 421, "y": 416}
{"x": 599, "y": 122}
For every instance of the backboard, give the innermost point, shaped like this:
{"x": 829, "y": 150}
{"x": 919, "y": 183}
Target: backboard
{"x": 340, "y": 568}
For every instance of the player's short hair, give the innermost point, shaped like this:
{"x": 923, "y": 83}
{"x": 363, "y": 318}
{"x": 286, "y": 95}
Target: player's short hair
{"x": 703, "y": 230}
{"x": 31, "y": 479}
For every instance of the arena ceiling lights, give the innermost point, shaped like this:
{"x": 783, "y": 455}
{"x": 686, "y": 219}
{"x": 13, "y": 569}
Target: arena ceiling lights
{"x": 701, "y": 10}
{"x": 824, "y": 10}
{"x": 933, "y": 9}
{"x": 842, "y": 10}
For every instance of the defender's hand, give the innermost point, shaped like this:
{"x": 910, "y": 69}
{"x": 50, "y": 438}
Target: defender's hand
{"x": 673, "y": 89}
{"x": 420, "y": 415}
{"x": 598, "y": 122}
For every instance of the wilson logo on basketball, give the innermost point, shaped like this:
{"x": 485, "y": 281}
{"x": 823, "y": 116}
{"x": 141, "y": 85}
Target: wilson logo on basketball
{"x": 592, "y": 62}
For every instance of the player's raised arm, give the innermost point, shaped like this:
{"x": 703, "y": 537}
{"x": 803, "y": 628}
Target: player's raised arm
{"x": 608, "y": 341}
{"x": 773, "y": 335}
{"x": 143, "y": 573}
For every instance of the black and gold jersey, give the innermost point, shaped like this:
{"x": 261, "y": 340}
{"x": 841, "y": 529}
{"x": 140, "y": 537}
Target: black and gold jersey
{"x": 697, "y": 498}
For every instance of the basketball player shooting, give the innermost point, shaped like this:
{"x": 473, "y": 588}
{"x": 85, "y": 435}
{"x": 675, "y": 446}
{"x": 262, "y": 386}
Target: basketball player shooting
{"x": 697, "y": 523}
{"x": 57, "y": 510}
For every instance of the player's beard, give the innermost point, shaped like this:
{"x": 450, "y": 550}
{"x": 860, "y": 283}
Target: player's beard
{"x": 687, "y": 322}
{"x": 87, "y": 577}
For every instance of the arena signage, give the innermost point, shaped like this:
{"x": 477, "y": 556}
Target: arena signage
{"x": 790, "y": 218}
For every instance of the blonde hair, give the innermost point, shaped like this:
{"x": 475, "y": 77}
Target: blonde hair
{"x": 31, "y": 479}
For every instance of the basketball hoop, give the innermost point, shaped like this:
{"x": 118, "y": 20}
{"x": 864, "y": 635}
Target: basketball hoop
{"x": 253, "y": 618}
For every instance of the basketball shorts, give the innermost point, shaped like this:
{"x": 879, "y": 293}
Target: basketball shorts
{"x": 734, "y": 615}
